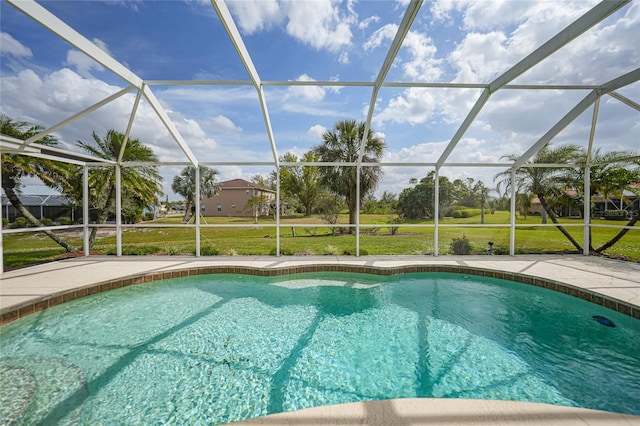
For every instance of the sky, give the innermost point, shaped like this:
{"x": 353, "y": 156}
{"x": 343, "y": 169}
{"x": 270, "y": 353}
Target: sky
{"x": 45, "y": 80}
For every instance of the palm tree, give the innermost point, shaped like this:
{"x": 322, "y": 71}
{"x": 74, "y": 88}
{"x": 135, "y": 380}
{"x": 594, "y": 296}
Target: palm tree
{"x": 140, "y": 184}
{"x": 546, "y": 182}
{"x": 15, "y": 167}
{"x": 610, "y": 174}
{"x": 185, "y": 184}
{"x": 342, "y": 144}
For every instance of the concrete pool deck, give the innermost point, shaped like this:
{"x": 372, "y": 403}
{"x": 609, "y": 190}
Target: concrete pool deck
{"x": 611, "y": 283}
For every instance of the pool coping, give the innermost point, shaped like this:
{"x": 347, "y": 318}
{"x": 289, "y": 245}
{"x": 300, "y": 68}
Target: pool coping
{"x": 610, "y": 283}
{"x": 438, "y": 411}
{"x": 622, "y": 292}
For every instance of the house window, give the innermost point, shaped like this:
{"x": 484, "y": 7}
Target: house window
{"x": 203, "y": 207}
{"x": 219, "y": 207}
{"x": 246, "y": 191}
{"x": 233, "y": 205}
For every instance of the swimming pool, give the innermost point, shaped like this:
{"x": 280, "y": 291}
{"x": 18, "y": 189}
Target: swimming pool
{"x": 219, "y": 348}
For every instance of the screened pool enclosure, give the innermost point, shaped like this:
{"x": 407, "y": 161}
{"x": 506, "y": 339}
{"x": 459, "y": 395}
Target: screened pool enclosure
{"x": 465, "y": 91}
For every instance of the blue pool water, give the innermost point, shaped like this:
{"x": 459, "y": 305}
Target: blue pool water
{"x": 220, "y": 348}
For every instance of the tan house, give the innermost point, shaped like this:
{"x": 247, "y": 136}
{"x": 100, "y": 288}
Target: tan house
{"x": 239, "y": 197}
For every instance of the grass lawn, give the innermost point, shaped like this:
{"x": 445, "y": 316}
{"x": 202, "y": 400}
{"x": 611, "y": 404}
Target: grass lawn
{"x": 411, "y": 237}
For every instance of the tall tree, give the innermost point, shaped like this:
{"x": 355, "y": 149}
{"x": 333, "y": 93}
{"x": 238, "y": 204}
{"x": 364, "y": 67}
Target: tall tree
{"x": 418, "y": 202}
{"x": 548, "y": 183}
{"x": 15, "y": 167}
{"x": 140, "y": 184}
{"x": 185, "y": 184}
{"x": 481, "y": 193}
{"x": 301, "y": 183}
{"x": 342, "y": 144}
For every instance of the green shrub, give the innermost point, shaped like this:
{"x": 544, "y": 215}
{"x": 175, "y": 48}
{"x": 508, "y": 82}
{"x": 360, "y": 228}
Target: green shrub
{"x": 148, "y": 216}
{"x": 173, "y": 251}
{"x": 461, "y": 246}
{"x": 65, "y": 220}
{"x": 209, "y": 251}
{"x": 5, "y": 222}
{"x": 458, "y": 212}
{"x": 331, "y": 250}
{"x": 46, "y": 221}
{"x": 19, "y": 222}
{"x": 395, "y": 221}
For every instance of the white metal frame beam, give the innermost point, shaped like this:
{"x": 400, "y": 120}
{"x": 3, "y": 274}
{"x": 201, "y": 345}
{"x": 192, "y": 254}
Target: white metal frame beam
{"x": 81, "y": 114}
{"x": 405, "y": 25}
{"x": 616, "y": 83}
{"x": 77, "y": 40}
{"x": 625, "y": 100}
{"x": 168, "y": 124}
{"x": 236, "y": 39}
{"x": 579, "y": 26}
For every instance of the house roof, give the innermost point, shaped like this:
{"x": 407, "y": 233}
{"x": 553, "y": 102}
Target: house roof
{"x": 38, "y": 195}
{"x": 598, "y": 198}
{"x": 242, "y": 184}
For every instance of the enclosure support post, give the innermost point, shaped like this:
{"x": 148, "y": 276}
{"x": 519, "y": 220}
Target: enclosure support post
{"x": 586, "y": 243}
{"x": 118, "y": 211}
{"x": 85, "y": 209}
{"x": 1, "y": 217}
{"x": 512, "y": 215}
{"x": 436, "y": 210}
{"x": 197, "y": 212}
{"x": 587, "y": 210}
{"x": 278, "y": 211}
{"x": 357, "y": 210}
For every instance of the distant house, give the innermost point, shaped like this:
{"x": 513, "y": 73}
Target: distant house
{"x": 42, "y": 202}
{"x": 239, "y": 197}
{"x": 625, "y": 204}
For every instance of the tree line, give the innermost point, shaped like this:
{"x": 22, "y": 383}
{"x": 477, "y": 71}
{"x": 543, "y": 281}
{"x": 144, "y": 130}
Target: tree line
{"x": 328, "y": 189}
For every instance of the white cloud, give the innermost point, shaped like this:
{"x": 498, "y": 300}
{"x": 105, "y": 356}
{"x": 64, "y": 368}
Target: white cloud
{"x": 605, "y": 52}
{"x": 413, "y": 106}
{"x": 224, "y": 123}
{"x": 305, "y": 93}
{"x": 84, "y": 64}
{"x": 321, "y": 24}
{"x": 56, "y": 96}
{"x": 382, "y": 34}
{"x": 256, "y": 15}
{"x": 423, "y": 66}
{"x": 480, "y": 57}
{"x": 344, "y": 58}
{"x": 194, "y": 135}
{"x": 364, "y": 24}
{"x": 11, "y": 46}
{"x": 417, "y": 56}
{"x": 316, "y": 131}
